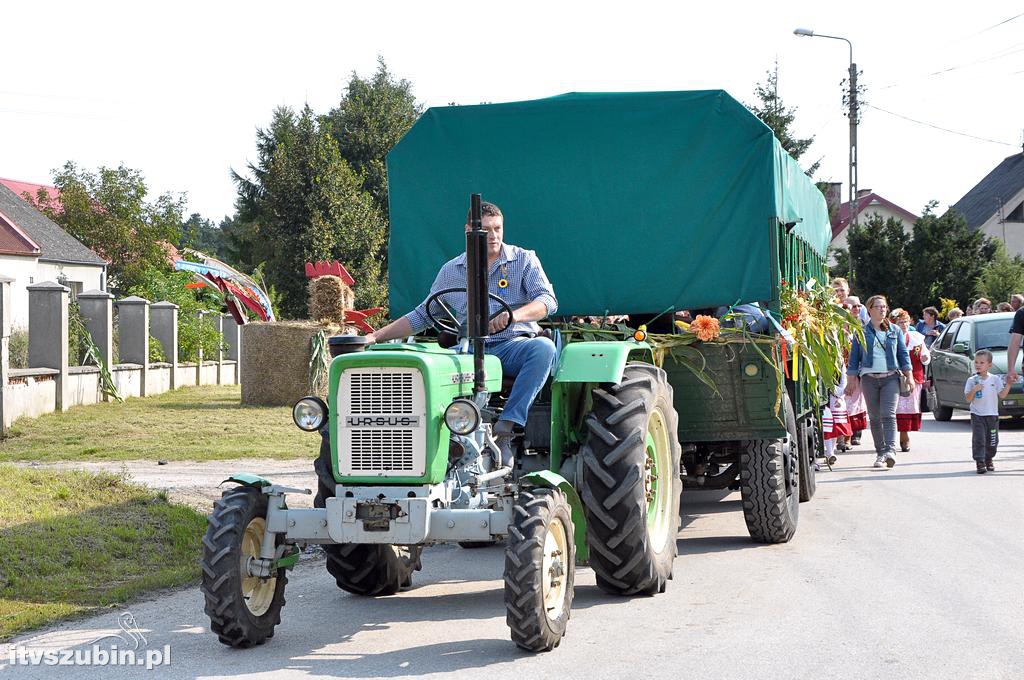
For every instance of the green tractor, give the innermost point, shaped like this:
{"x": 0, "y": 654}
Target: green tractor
{"x": 407, "y": 456}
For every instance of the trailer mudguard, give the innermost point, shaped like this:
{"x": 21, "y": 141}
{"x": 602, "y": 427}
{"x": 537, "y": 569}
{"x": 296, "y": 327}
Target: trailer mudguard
{"x": 597, "y": 361}
{"x": 553, "y": 480}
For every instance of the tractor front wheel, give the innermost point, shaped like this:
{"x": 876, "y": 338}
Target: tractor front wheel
{"x": 540, "y": 562}
{"x": 243, "y": 609}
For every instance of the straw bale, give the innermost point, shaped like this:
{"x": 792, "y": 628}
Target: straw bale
{"x": 275, "y": 360}
{"x": 329, "y": 299}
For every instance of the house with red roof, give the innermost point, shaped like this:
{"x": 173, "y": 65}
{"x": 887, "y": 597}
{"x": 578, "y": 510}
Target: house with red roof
{"x": 868, "y": 205}
{"x": 35, "y": 249}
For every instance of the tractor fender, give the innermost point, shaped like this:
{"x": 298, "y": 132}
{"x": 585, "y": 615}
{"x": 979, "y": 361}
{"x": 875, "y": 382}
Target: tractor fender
{"x": 248, "y": 479}
{"x": 597, "y": 361}
{"x": 553, "y": 480}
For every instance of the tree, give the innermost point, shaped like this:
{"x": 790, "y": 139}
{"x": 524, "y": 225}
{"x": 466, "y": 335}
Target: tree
{"x": 946, "y": 258}
{"x": 776, "y": 116}
{"x": 1002, "y": 277}
{"x": 877, "y": 253}
{"x": 370, "y": 119}
{"x": 199, "y": 233}
{"x": 304, "y": 203}
{"x": 108, "y": 212}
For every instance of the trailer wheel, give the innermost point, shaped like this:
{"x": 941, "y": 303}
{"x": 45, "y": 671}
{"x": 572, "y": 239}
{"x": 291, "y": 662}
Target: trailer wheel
{"x": 770, "y": 483}
{"x": 809, "y": 434}
{"x": 362, "y": 569}
{"x": 631, "y": 482}
{"x": 540, "y": 561}
{"x": 243, "y": 609}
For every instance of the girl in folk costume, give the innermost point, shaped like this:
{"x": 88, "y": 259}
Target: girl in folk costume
{"x": 908, "y": 409}
{"x": 835, "y": 421}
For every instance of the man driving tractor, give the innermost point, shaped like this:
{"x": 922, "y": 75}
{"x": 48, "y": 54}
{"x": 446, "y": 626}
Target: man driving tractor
{"x": 516, "y": 276}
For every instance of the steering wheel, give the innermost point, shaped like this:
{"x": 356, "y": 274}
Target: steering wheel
{"x": 449, "y": 322}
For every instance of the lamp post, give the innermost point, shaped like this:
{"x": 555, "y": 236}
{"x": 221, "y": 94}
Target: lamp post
{"x": 854, "y": 113}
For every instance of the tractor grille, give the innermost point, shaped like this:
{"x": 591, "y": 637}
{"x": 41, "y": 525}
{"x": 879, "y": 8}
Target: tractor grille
{"x": 382, "y": 423}
{"x": 382, "y": 450}
{"x": 375, "y": 393}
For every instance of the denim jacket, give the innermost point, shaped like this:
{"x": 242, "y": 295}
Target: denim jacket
{"x": 896, "y": 354}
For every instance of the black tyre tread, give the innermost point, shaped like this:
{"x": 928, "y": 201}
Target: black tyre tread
{"x": 525, "y": 614}
{"x": 612, "y": 486}
{"x": 770, "y": 513}
{"x": 362, "y": 569}
{"x": 230, "y": 619}
{"x": 942, "y": 413}
{"x": 808, "y": 453}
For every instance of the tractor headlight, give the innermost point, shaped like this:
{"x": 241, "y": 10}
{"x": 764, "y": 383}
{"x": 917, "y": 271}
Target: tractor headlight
{"x": 309, "y": 413}
{"x": 462, "y": 416}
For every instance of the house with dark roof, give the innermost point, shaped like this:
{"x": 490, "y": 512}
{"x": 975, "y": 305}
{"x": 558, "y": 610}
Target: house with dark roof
{"x": 34, "y": 249}
{"x": 868, "y": 205}
{"x": 996, "y": 204}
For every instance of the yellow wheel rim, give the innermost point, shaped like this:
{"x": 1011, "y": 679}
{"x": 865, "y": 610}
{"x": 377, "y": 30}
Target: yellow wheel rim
{"x": 258, "y": 593}
{"x": 658, "y": 482}
{"x": 555, "y": 569}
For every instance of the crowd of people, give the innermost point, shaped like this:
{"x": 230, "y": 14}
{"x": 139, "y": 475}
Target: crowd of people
{"x": 881, "y": 386}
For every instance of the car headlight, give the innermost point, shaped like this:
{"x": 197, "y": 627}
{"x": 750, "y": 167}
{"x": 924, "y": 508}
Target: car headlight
{"x": 462, "y": 416}
{"x": 309, "y": 413}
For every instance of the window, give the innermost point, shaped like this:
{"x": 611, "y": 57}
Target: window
{"x": 963, "y": 334}
{"x": 993, "y": 334}
{"x": 1016, "y": 215}
{"x": 947, "y": 338}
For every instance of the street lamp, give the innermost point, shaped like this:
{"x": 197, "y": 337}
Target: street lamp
{"x": 854, "y": 111}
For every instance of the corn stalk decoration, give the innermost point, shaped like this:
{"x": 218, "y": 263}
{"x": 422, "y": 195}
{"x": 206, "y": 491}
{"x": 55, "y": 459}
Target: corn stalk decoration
{"x": 812, "y": 343}
{"x": 319, "y": 363}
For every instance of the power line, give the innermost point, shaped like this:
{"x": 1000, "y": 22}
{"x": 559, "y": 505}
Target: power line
{"x": 937, "y": 127}
{"x": 1004, "y": 21}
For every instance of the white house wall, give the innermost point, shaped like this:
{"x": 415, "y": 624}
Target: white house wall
{"x": 862, "y": 217}
{"x": 27, "y": 271}
{"x": 1013, "y": 231}
{"x": 23, "y": 271}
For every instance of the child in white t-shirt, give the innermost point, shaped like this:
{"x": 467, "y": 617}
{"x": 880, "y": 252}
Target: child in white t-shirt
{"x": 983, "y": 392}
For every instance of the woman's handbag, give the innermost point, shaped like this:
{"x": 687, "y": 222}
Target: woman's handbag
{"x": 906, "y": 385}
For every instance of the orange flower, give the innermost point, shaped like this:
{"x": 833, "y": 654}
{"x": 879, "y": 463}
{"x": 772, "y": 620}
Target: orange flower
{"x": 705, "y": 327}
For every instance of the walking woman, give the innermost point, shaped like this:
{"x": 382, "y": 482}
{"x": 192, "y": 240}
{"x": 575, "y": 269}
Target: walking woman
{"x": 875, "y": 367}
{"x": 908, "y": 409}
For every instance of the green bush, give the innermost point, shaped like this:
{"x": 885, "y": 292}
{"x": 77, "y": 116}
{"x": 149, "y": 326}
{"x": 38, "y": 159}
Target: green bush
{"x": 19, "y": 348}
{"x": 156, "y": 351}
{"x": 193, "y": 333}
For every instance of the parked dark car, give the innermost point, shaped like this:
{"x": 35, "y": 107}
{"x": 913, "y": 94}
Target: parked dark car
{"x": 953, "y": 363}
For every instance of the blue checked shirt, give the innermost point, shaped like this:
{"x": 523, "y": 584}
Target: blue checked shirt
{"x": 526, "y": 282}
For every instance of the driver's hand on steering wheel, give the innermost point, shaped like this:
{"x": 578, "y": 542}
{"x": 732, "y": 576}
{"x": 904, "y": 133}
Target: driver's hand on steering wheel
{"x": 498, "y": 322}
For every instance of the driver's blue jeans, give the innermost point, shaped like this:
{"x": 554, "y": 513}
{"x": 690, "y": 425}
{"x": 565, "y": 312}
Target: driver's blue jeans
{"x": 529, "y": 360}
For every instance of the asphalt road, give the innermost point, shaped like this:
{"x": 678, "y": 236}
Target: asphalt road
{"x": 914, "y": 572}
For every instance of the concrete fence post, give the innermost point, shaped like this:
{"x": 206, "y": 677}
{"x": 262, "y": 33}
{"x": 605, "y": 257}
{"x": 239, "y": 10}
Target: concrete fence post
{"x": 48, "y": 334}
{"x": 133, "y": 335}
{"x": 5, "y": 347}
{"x": 163, "y": 325}
{"x": 233, "y": 339}
{"x": 199, "y": 361}
{"x": 97, "y": 309}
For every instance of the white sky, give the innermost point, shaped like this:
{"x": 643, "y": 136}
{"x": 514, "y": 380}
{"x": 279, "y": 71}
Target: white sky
{"x": 177, "y": 89}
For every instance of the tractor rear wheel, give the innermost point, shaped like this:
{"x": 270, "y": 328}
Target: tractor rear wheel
{"x": 540, "y": 564}
{"x": 362, "y": 569}
{"x": 243, "y": 609}
{"x": 631, "y": 483}
{"x": 770, "y": 483}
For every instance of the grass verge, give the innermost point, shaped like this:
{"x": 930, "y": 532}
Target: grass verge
{"x": 71, "y": 542}
{"x": 192, "y": 423}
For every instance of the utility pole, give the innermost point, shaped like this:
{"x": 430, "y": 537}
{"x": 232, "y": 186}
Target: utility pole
{"x": 854, "y": 114}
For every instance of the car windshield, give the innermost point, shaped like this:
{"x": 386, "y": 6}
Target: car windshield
{"x": 993, "y": 334}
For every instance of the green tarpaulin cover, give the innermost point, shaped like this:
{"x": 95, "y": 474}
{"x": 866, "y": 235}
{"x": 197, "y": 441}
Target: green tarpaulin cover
{"x": 634, "y": 202}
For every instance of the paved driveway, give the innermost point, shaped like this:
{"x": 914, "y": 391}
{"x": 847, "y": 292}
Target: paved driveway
{"x": 914, "y": 572}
